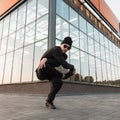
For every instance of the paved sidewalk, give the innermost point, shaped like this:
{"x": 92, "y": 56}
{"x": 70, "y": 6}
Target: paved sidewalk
{"x": 69, "y": 107}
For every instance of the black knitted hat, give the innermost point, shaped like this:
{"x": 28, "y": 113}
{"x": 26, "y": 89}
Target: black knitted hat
{"x": 67, "y": 40}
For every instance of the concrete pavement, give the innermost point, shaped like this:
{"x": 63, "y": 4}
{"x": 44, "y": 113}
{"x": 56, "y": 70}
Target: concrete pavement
{"x": 69, "y": 107}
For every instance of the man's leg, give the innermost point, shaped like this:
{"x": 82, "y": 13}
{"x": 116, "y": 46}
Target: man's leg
{"x": 55, "y": 87}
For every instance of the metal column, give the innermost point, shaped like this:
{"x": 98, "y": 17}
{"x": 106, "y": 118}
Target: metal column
{"x": 52, "y": 23}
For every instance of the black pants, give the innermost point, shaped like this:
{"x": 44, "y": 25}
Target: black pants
{"x": 54, "y": 76}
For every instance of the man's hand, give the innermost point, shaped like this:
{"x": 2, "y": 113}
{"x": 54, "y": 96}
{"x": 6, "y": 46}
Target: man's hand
{"x": 42, "y": 63}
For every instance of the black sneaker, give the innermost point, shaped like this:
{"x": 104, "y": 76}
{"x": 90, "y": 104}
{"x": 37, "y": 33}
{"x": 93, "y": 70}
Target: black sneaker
{"x": 50, "y": 105}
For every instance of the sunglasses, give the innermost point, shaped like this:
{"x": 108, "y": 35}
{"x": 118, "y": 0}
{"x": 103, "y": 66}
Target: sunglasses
{"x": 65, "y": 46}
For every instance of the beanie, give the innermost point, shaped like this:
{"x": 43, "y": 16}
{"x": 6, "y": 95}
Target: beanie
{"x": 67, "y": 40}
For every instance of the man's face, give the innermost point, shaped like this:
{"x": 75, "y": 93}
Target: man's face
{"x": 65, "y": 47}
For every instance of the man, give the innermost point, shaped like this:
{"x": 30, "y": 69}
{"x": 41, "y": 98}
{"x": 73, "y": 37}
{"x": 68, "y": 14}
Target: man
{"x": 52, "y": 58}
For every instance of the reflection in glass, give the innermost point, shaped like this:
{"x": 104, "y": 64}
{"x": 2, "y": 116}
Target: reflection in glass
{"x": 75, "y": 36}
{"x": 16, "y": 73}
{"x": 2, "y": 60}
{"x": 62, "y": 9}
{"x": 40, "y": 48}
{"x": 42, "y": 28}
{"x": 11, "y": 41}
{"x": 104, "y": 71}
{"x": 92, "y": 67}
{"x": 61, "y": 28}
{"x": 30, "y": 34}
{"x": 98, "y": 70}
{"x": 8, "y": 67}
{"x": 109, "y": 72}
{"x": 102, "y": 40}
{"x": 19, "y": 38}
{"x": 90, "y": 30}
{"x": 91, "y": 46}
{"x": 73, "y": 17}
{"x": 13, "y": 21}
{"x": 31, "y": 11}
{"x": 82, "y": 24}
{"x": 3, "y": 45}
{"x": 74, "y": 59}
{"x": 1, "y": 26}
{"x": 6, "y": 26}
{"x": 84, "y": 64}
{"x": 96, "y": 35}
{"x": 27, "y": 63}
{"x": 102, "y": 52}
{"x": 83, "y": 42}
{"x": 97, "y": 49}
{"x": 42, "y": 8}
{"x": 21, "y": 16}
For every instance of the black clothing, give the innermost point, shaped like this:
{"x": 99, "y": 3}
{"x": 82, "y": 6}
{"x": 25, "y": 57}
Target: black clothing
{"x": 55, "y": 57}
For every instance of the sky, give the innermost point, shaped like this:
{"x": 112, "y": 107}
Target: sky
{"x": 114, "y": 6}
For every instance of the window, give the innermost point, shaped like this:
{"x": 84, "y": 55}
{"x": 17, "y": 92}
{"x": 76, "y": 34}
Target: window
{"x": 42, "y": 8}
{"x": 62, "y": 28}
{"x": 27, "y": 63}
{"x": 82, "y": 24}
{"x": 73, "y": 17}
{"x": 31, "y": 11}
{"x": 40, "y": 48}
{"x": 75, "y": 36}
{"x": 62, "y": 9}
{"x": 42, "y": 28}
{"x": 8, "y": 68}
{"x": 16, "y": 74}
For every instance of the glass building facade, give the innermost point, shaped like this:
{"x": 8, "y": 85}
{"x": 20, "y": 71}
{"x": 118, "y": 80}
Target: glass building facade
{"x": 24, "y": 37}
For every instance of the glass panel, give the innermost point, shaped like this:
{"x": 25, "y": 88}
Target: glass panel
{"x": 96, "y": 35}
{"x": 107, "y": 55}
{"x": 42, "y": 28}
{"x": 97, "y": 49}
{"x": 62, "y": 9}
{"x": 27, "y": 63}
{"x": 75, "y": 36}
{"x": 84, "y": 64}
{"x": 62, "y": 28}
{"x": 40, "y": 48}
{"x": 90, "y": 30}
{"x": 11, "y": 41}
{"x": 73, "y": 17}
{"x": 16, "y": 74}
{"x": 6, "y": 27}
{"x": 31, "y": 11}
{"x": 3, "y": 45}
{"x": 30, "y": 34}
{"x": 92, "y": 67}
{"x": 109, "y": 72}
{"x": 106, "y": 43}
{"x": 91, "y": 46}
{"x": 102, "y": 41}
{"x": 21, "y": 16}
{"x": 13, "y": 21}
{"x": 104, "y": 72}
{"x": 1, "y": 27}
{"x": 2, "y": 60}
{"x": 98, "y": 71}
{"x": 8, "y": 67}
{"x": 42, "y": 7}
{"x": 82, "y": 24}
{"x": 19, "y": 38}
{"x": 83, "y": 42}
{"x": 75, "y": 59}
{"x": 113, "y": 72}
{"x": 102, "y": 52}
